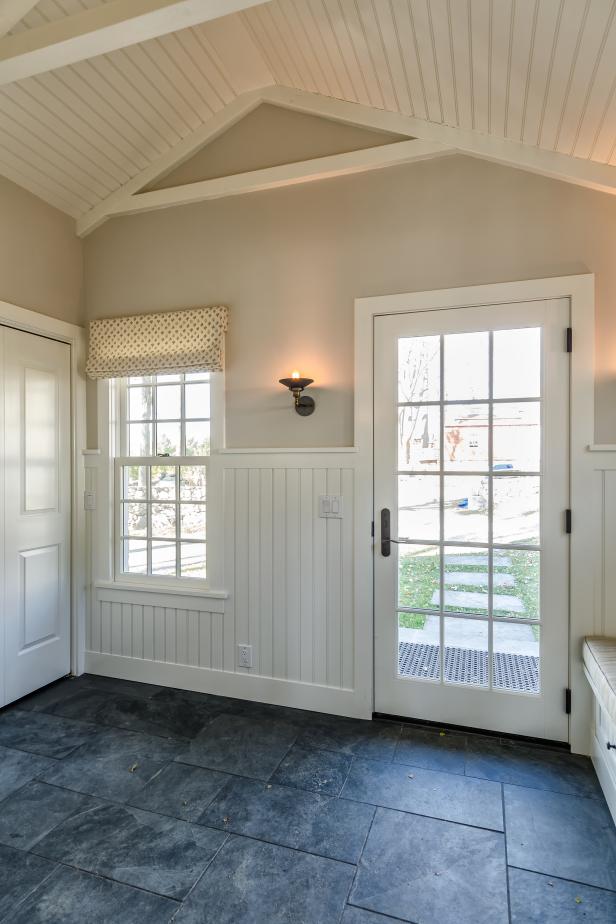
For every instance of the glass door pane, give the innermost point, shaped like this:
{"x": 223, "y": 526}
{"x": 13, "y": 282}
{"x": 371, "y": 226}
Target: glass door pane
{"x": 468, "y": 508}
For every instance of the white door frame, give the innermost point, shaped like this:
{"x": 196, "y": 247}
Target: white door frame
{"x": 34, "y": 323}
{"x": 579, "y": 290}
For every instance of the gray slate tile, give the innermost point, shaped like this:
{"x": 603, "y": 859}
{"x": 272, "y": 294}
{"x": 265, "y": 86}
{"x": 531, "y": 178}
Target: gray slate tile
{"x": 250, "y": 882}
{"x": 152, "y": 852}
{"x": 50, "y": 695}
{"x": 35, "y": 810}
{"x": 566, "y": 836}
{"x": 238, "y": 744}
{"x": 164, "y": 714}
{"x": 434, "y": 872}
{"x": 356, "y": 737}
{"x": 426, "y": 792}
{"x": 114, "y": 764}
{"x": 70, "y": 896}
{"x": 432, "y": 749}
{"x": 182, "y": 791}
{"x": 18, "y": 768}
{"x": 117, "y": 685}
{"x": 534, "y": 767}
{"x": 539, "y": 899}
{"x": 20, "y": 874}
{"x": 38, "y": 733}
{"x": 314, "y": 770}
{"x": 291, "y": 817}
{"x": 360, "y": 916}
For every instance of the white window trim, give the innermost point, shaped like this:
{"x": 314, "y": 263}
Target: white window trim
{"x": 106, "y": 539}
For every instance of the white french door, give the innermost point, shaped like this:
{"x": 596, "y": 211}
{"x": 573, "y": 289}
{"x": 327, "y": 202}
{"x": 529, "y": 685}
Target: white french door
{"x": 35, "y": 480}
{"x": 471, "y": 469}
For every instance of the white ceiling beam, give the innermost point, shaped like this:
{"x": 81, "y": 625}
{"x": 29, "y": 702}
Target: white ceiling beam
{"x": 439, "y": 138}
{"x": 12, "y": 12}
{"x": 217, "y": 125}
{"x": 592, "y": 175}
{"x": 307, "y": 171}
{"x": 104, "y": 28}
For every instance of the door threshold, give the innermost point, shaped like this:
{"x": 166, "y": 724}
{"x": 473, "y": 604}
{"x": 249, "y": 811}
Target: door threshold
{"x": 487, "y": 733}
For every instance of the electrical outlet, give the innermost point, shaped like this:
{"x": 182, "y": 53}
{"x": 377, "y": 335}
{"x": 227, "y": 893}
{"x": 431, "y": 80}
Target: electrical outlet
{"x": 244, "y": 655}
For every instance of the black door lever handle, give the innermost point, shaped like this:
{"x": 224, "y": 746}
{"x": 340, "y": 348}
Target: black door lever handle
{"x": 386, "y": 539}
{"x": 385, "y": 532}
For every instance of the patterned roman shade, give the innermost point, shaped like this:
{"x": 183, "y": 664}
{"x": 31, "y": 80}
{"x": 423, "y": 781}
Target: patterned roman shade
{"x": 173, "y": 341}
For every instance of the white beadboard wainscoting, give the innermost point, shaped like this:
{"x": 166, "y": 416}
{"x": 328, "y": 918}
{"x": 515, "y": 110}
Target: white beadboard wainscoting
{"x": 285, "y": 582}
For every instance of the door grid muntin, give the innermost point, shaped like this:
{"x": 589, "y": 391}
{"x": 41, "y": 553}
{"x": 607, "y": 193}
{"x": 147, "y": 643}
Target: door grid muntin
{"x": 519, "y": 674}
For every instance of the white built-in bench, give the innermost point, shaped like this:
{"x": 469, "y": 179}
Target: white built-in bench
{"x": 600, "y": 670}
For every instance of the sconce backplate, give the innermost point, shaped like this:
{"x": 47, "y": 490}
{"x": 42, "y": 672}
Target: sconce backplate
{"x": 305, "y": 406}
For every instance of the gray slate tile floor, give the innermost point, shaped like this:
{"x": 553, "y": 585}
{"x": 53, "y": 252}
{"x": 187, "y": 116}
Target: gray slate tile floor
{"x": 126, "y": 802}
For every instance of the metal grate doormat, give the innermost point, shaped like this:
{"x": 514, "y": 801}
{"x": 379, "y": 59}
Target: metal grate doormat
{"x": 518, "y": 673}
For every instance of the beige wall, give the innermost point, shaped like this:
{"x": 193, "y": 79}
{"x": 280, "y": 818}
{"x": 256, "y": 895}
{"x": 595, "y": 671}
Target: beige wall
{"x": 40, "y": 256}
{"x": 269, "y": 136}
{"x": 290, "y": 262}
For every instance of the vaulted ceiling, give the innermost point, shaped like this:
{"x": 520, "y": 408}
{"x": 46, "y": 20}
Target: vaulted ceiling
{"x": 540, "y": 73}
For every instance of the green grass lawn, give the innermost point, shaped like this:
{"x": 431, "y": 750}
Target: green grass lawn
{"x": 419, "y": 578}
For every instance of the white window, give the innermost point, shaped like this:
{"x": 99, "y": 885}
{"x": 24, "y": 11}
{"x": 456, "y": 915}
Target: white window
{"x": 161, "y": 476}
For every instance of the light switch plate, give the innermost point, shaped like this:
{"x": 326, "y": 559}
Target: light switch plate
{"x": 89, "y": 500}
{"x": 330, "y": 506}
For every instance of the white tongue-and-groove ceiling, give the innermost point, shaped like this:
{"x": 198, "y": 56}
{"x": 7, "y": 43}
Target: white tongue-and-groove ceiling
{"x": 541, "y": 73}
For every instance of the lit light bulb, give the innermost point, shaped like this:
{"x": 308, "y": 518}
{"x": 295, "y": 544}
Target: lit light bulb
{"x": 295, "y": 374}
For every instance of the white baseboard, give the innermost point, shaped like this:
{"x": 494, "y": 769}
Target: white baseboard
{"x": 605, "y": 774}
{"x": 259, "y": 689}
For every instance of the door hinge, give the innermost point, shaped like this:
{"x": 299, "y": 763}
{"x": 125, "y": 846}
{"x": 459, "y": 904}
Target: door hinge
{"x": 567, "y": 521}
{"x": 569, "y": 340}
{"x": 372, "y": 529}
{"x": 568, "y": 701}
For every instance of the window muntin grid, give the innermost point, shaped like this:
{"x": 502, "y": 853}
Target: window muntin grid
{"x": 167, "y": 415}
{"x": 162, "y": 517}
{"x": 432, "y": 412}
{"x": 161, "y": 478}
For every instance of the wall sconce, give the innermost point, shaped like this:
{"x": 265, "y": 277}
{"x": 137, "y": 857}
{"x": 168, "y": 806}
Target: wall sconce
{"x": 304, "y": 404}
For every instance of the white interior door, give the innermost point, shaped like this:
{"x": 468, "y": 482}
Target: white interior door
{"x": 471, "y": 449}
{"x": 36, "y": 488}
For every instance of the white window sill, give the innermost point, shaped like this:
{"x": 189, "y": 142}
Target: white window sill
{"x": 162, "y": 588}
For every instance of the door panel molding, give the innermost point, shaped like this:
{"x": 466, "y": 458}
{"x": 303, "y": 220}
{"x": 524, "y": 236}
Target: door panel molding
{"x": 37, "y": 507}
{"x": 23, "y": 319}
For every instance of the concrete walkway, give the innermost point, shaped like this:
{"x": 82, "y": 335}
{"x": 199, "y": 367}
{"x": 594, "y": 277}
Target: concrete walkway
{"x": 466, "y": 633}
{"x": 478, "y": 579}
{"x": 478, "y": 602}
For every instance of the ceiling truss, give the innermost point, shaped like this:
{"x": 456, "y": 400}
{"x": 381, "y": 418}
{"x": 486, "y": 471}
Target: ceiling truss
{"x": 108, "y": 27}
{"x": 101, "y": 102}
{"x": 426, "y": 141}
